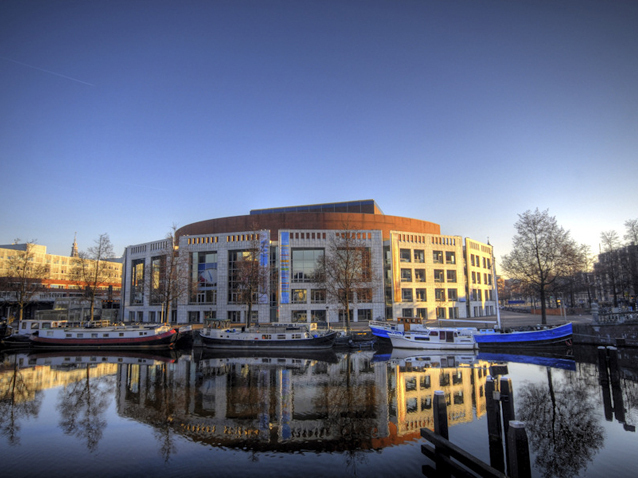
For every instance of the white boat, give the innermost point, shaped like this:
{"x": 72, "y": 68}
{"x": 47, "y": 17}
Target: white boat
{"x": 223, "y": 334}
{"x": 381, "y": 328}
{"x": 432, "y": 358}
{"x": 450, "y": 338}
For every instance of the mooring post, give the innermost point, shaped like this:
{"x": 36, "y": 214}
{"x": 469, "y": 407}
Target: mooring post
{"x": 612, "y": 360}
{"x": 440, "y": 414}
{"x": 494, "y": 427}
{"x": 507, "y": 402}
{"x": 603, "y": 374}
{"x": 518, "y": 456}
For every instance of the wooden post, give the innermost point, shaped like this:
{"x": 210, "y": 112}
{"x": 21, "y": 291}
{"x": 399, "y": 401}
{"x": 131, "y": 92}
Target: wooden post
{"x": 494, "y": 427}
{"x": 440, "y": 414}
{"x": 518, "y": 446}
{"x": 507, "y": 402}
{"x": 603, "y": 379}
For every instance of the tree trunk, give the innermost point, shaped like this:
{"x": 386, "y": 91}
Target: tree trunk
{"x": 543, "y": 305}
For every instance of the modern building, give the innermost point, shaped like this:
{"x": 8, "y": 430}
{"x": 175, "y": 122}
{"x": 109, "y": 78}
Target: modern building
{"x": 416, "y": 271}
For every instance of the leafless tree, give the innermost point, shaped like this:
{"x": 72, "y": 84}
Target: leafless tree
{"x": 168, "y": 279}
{"x": 94, "y": 269}
{"x": 611, "y": 248}
{"x": 249, "y": 273}
{"x": 23, "y": 278}
{"x": 543, "y": 252}
{"x": 346, "y": 271}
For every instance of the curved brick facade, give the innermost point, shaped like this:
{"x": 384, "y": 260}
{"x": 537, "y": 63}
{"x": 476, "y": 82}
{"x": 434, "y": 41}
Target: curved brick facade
{"x": 309, "y": 220}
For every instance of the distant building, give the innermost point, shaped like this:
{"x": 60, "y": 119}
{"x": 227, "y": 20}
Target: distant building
{"x": 422, "y": 273}
{"x": 59, "y": 283}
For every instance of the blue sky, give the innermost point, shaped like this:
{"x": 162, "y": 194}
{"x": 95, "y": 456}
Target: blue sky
{"x": 127, "y": 117}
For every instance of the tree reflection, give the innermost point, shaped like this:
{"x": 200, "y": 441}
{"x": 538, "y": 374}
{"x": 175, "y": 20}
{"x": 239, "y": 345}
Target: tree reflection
{"x": 17, "y": 401}
{"x": 561, "y": 424}
{"x": 82, "y": 406}
{"x": 350, "y": 410}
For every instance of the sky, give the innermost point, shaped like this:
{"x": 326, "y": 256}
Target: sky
{"x": 129, "y": 117}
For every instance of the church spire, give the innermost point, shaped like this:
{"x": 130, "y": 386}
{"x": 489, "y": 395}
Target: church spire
{"x": 74, "y": 249}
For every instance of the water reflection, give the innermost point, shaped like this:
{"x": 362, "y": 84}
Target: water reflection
{"x": 346, "y": 403}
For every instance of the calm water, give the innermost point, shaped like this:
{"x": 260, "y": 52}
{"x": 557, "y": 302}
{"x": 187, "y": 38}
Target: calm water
{"x": 332, "y": 414}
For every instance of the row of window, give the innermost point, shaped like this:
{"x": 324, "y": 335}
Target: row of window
{"x": 419, "y": 275}
{"x": 405, "y": 255}
{"x": 476, "y": 278}
{"x": 420, "y": 295}
{"x": 422, "y": 312}
{"x": 476, "y": 261}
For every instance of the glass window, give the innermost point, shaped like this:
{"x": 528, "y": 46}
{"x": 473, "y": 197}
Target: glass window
{"x": 406, "y": 275}
{"x": 440, "y": 312}
{"x": 452, "y": 294}
{"x": 404, "y": 255}
{"x": 454, "y": 312}
{"x": 364, "y": 295}
{"x": 450, "y": 257}
{"x": 299, "y": 316}
{"x": 318, "y": 316}
{"x": 419, "y": 256}
{"x": 318, "y": 296}
{"x": 451, "y": 276}
{"x": 437, "y": 257}
{"x": 406, "y": 295}
{"x": 406, "y": 313}
{"x": 419, "y": 275}
{"x": 299, "y": 296}
{"x": 421, "y": 295}
{"x": 439, "y": 295}
{"x": 439, "y": 275}
{"x": 422, "y": 312}
{"x": 304, "y": 264}
{"x": 364, "y": 315}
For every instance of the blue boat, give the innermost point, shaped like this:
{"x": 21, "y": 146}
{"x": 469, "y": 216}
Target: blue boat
{"x": 564, "y": 363}
{"x": 560, "y": 335}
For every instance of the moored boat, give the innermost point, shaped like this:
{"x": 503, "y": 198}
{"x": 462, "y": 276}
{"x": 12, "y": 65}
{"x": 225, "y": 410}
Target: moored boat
{"x": 540, "y": 337}
{"x": 451, "y": 338}
{"x": 117, "y": 337}
{"x": 223, "y": 334}
{"x": 381, "y": 328}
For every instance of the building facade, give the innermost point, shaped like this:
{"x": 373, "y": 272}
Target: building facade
{"x": 415, "y": 271}
{"x": 58, "y": 283}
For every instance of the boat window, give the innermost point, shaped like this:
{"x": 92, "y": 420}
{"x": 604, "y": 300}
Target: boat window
{"x": 94, "y": 336}
{"x": 281, "y": 336}
{"x": 46, "y": 325}
{"x": 434, "y": 333}
{"x": 266, "y": 337}
{"x": 49, "y": 334}
{"x": 105, "y": 335}
{"x": 79, "y": 336}
{"x": 68, "y": 335}
{"x": 426, "y": 339}
{"x": 121, "y": 334}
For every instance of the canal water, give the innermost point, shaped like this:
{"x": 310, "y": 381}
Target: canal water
{"x": 193, "y": 413}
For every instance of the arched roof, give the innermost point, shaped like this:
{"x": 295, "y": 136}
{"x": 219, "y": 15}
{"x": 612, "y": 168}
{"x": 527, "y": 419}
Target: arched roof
{"x": 309, "y": 220}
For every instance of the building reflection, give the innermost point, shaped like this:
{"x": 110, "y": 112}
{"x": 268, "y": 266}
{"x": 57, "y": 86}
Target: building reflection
{"x": 288, "y": 402}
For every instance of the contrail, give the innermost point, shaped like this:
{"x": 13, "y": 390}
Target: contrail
{"x": 47, "y": 71}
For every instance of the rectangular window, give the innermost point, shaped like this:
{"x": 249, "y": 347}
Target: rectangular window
{"x": 404, "y": 255}
{"x": 422, "y": 312}
{"x": 454, "y": 312}
{"x": 478, "y": 277}
{"x": 299, "y": 296}
{"x": 450, "y": 257}
{"x": 473, "y": 277}
{"x": 439, "y": 275}
{"x": 364, "y": 296}
{"x": 406, "y": 275}
{"x": 304, "y": 264}
{"x": 364, "y": 315}
{"x": 452, "y": 294}
{"x": 421, "y": 295}
{"x": 204, "y": 277}
{"x": 407, "y": 313}
{"x": 437, "y": 257}
{"x": 419, "y": 275}
{"x": 299, "y": 316}
{"x": 419, "y": 256}
{"x": 318, "y": 316}
{"x": 406, "y": 295}
{"x": 440, "y": 312}
{"x": 451, "y": 276}
{"x": 193, "y": 316}
{"x": 318, "y": 296}
{"x": 137, "y": 282}
{"x": 439, "y": 295}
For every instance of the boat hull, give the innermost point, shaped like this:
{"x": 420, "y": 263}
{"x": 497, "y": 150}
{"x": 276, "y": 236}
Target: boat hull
{"x": 405, "y": 341}
{"x": 161, "y": 340}
{"x": 561, "y": 335}
{"x": 315, "y": 343}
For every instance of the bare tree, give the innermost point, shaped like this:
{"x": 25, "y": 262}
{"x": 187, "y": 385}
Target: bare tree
{"x": 168, "y": 279}
{"x": 611, "y": 248}
{"x": 345, "y": 271}
{"x": 94, "y": 270}
{"x": 631, "y": 235}
{"x": 249, "y": 273}
{"x": 543, "y": 252}
{"x": 23, "y": 278}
